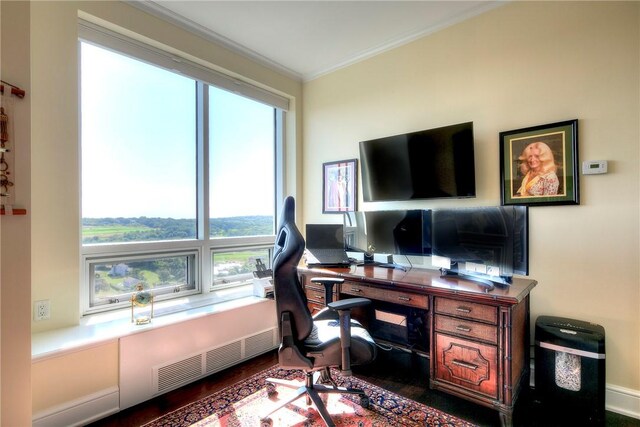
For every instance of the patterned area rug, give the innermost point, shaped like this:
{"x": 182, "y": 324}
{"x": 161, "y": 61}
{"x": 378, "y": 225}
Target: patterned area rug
{"x": 242, "y": 404}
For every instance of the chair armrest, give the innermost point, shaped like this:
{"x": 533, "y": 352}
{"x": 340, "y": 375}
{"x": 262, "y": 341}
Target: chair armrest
{"x": 328, "y": 283}
{"x": 348, "y": 304}
{"x": 343, "y": 307}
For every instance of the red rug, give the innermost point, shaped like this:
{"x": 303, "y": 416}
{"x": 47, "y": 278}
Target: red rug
{"x": 242, "y": 404}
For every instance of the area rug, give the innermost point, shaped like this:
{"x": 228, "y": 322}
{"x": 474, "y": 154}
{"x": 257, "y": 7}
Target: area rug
{"x": 240, "y": 405}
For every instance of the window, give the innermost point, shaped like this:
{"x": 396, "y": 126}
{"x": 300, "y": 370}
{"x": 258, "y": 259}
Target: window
{"x": 180, "y": 176}
{"x": 241, "y": 160}
{"x": 115, "y": 279}
{"x": 138, "y": 150}
{"x": 232, "y": 272}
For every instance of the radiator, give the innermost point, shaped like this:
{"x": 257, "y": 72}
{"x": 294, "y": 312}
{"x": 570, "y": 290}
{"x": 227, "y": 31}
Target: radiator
{"x": 177, "y": 373}
{"x": 159, "y": 359}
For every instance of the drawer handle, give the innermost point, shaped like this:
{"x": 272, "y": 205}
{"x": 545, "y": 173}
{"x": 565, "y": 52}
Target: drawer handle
{"x": 404, "y": 299}
{"x": 356, "y": 290}
{"x": 463, "y": 309}
{"x": 464, "y": 364}
{"x": 319, "y": 296}
{"x": 463, "y": 328}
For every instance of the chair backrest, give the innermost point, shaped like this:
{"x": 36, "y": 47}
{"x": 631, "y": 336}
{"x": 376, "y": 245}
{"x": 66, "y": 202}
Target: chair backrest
{"x": 287, "y": 252}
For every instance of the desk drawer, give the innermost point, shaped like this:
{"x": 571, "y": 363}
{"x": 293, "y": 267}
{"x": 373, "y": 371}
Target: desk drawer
{"x": 315, "y": 295}
{"x": 466, "y": 328}
{"x": 315, "y": 292}
{"x": 467, "y": 310}
{"x": 467, "y": 364}
{"x": 315, "y": 298}
{"x": 394, "y": 296}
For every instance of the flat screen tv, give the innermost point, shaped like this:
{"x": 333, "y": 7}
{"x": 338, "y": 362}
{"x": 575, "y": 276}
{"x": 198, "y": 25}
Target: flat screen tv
{"x": 429, "y": 164}
{"x": 397, "y": 232}
{"x": 486, "y": 243}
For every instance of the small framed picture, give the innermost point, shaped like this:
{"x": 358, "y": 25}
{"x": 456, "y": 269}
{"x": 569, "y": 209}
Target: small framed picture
{"x": 539, "y": 165}
{"x": 339, "y": 186}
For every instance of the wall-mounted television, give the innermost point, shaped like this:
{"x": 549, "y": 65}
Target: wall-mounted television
{"x": 486, "y": 243}
{"x": 428, "y": 164}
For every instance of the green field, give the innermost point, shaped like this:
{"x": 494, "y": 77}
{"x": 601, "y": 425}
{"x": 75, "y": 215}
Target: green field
{"x": 144, "y": 229}
{"x": 110, "y": 285}
{"x": 240, "y": 257}
{"x": 110, "y": 231}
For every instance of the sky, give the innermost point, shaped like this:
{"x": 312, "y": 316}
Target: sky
{"x": 138, "y": 143}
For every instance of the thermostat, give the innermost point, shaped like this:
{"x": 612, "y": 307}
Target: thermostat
{"x": 592, "y": 167}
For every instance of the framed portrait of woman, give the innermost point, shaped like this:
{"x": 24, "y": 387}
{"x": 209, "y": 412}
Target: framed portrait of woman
{"x": 539, "y": 165}
{"x": 339, "y": 184}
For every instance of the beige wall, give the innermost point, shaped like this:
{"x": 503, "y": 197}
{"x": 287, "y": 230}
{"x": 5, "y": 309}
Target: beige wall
{"x": 99, "y": 364}
{"x": 15, "y": 292}
{"x": 520, "y": 65}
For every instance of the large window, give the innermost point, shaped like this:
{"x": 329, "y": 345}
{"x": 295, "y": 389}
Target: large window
{"x": 138, "y": 150}
{"x": 241, "y": 160}
{"x": 180, "y": 176}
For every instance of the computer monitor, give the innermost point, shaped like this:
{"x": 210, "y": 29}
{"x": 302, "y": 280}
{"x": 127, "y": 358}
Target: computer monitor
{"x": 487, "y": 242}
{"x": 397, "y": 232}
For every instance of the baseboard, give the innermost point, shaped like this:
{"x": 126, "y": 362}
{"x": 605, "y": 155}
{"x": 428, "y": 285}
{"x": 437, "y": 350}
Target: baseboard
{"x": 623, "y": 401}
{"x": 81, "y": 411}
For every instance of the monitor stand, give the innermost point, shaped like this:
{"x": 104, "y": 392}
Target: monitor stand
{"x": 489, "y": 284}
{"x": 368, "y": 261}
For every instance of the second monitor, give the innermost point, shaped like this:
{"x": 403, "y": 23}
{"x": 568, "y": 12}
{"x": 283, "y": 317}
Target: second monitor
{"x": 397, "y": 232}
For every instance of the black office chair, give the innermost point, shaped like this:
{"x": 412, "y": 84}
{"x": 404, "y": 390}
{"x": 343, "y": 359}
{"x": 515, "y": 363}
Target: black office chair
{"x": 313, "y": 344}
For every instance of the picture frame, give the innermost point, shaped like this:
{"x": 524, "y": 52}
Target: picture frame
{"x": 539, "y": 165}
{"x": 339, "y": 186}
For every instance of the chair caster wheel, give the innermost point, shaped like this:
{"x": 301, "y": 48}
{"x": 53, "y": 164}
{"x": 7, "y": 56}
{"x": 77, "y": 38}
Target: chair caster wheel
{"x": 266, "y": 422}
{"x": 272, "y": 391}
{"x": 324, "y": 378}
{"x": 364, "y": 401}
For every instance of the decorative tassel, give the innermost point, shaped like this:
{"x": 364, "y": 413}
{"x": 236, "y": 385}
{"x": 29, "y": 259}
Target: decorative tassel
{"x": 4, "y": 128}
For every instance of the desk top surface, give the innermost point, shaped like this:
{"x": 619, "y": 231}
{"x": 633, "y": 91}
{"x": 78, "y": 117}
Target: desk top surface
{"x": 429, "y": 281}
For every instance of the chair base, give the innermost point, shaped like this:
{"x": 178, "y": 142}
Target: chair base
{"x": 313, "y": 390}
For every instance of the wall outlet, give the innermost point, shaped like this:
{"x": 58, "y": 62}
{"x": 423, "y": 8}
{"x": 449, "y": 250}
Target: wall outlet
{"x": 41, "y": 310}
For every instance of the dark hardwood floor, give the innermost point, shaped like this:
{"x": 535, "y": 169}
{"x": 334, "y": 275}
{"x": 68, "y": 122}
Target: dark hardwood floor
{"x": 398, "y": 371}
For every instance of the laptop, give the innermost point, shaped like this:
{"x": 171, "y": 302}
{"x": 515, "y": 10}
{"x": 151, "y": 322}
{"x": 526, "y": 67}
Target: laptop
{"x": 325, "y": 246}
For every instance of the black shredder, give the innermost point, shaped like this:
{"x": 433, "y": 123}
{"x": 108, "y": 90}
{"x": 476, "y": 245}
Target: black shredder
{"x": 570, "y": 368}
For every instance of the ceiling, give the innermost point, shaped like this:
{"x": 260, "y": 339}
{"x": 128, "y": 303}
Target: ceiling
{"x": 306, "y": 39}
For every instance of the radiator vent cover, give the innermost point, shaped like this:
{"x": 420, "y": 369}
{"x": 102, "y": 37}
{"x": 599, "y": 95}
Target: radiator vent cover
{"x": 181, "y": 372}
{"x": 221, "y": 357}
{"x": 256, "y": 344}
{"x": 177, "y": 373}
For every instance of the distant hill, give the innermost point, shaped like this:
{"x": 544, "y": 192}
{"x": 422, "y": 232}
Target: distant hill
{"x": 144, "y": 229}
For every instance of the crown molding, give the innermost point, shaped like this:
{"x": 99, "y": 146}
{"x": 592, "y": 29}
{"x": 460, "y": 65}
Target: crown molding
{"x": 406, "y": 39}
{"x": 157, "y": 10}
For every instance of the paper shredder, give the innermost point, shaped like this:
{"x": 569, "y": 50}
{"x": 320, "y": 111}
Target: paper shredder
{"x": 570, "y": 368}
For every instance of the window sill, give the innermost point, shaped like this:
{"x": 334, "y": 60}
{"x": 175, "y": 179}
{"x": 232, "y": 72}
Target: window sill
{"x": 98, "y": 329}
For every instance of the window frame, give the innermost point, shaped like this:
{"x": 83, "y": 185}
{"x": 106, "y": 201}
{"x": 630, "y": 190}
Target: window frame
{"x": 193, "y": 268}
{"x": 203, "y": 246}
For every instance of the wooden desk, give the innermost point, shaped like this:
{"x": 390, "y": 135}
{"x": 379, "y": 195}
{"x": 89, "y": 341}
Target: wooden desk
{"x": 478, "y": 341}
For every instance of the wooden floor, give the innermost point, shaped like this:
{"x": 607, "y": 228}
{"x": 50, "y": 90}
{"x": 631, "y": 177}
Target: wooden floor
{"x": 408, "y": 377}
